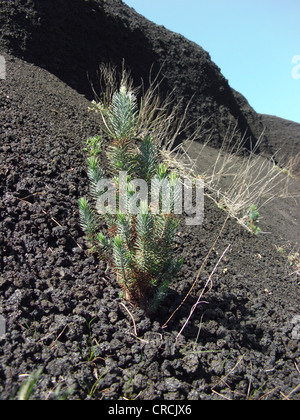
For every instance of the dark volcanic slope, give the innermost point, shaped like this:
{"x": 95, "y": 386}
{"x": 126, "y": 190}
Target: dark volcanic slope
{"x": 70, "y": 38}
{"x": 63, "y": 311}
{"x": 284, "y": 136}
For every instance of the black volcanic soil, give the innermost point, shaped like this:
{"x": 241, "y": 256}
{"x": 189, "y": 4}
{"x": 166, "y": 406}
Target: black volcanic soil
{"x": 62, "y": 307}
{"x": 63, "y": 311}
{"x": 70, "y": 38}
{"x": 284, "y": 137}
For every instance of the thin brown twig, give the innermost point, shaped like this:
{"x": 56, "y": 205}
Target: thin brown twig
{"x": 229, "y": 373}
{"x": 24, "y": 199}
{"x": 131, "y": 316}
{"x": 199, "y": 273}
{"x": 203, "y": 291}
{"x": 250, "y": 381}
{"x": 52, "y": 218}
{"x": 287, "y": 397}
{"x": 220, "y": 395}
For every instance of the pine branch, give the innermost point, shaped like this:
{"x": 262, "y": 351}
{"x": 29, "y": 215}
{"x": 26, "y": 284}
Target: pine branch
{"x": 95, "y": 174}
{"x": 104, "y": 242}
{"x": 124, "y": 229}
{"x": 122, "y": 158}
{"x": 138, "y": 246}
{"x": 88, "y": 221}
{"x": 122, "y": 260}
{"x": 148, "y": 159}
{"x": 122, "y": 115}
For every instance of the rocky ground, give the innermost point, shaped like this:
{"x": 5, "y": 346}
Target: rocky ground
{"x": 62, "y": 308}
{"x": 71, "y": 38}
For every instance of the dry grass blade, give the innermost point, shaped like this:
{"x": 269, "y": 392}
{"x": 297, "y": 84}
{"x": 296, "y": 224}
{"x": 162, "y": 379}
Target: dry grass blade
{"x": 203, "y": 291}
{"x": 223, "y": 380}
{"x": 199, "y": 273}
{"x": 131, "y": 316}
{"x": 234, "y": 178}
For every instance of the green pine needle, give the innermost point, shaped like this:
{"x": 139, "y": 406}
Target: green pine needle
{"x": 139, "y": 246}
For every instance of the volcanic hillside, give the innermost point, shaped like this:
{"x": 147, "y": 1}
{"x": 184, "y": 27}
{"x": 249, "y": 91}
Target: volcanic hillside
{"x": 70, "y": 38}
{"x": 62, "y": 308}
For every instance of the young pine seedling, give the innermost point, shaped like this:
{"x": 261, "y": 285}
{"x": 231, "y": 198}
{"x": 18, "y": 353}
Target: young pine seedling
{"x": 137, "y": 244}
{"x": 94, "y": 146}
{"x": 253, "y": 220}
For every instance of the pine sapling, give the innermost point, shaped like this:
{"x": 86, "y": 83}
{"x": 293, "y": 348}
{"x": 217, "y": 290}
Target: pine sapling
{"x": 253, "y": 220}
{"x": 138, "y": 242}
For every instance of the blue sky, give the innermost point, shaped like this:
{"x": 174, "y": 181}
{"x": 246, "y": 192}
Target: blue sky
{"x": 256, "y": 43}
